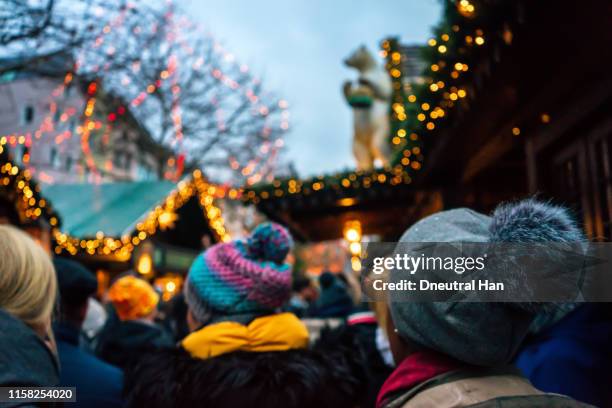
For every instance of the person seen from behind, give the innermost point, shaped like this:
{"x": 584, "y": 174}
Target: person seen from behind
{"x": 243, "y": 350}
{"x": 459, "y": 354}
{"x": 334, "y": 300}
{"x": 124, "y": 340}
{"x": 303, "y": 297}
{"x": 27, "y": 299}
{"x": 572, "y": 356}
{"x": 99, "y": 384}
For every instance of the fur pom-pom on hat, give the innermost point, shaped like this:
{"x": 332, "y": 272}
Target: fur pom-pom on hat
{"x": 269, "y": 241}
{"x": 486, "y": 334}
{"x": 533, "y": 221}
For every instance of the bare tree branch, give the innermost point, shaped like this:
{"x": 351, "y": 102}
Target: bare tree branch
{"x": 191, "y": 94}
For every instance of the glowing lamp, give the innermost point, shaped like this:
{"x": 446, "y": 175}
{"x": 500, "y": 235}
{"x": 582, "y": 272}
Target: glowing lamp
{"x": 355, "y": 248}
{"x": 145, "y": 264}
{"x": 166, "y": 219}
{"x": 352, "y": 231}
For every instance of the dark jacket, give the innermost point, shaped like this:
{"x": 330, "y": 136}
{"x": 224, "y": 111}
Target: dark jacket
{"x": 25, "y": 360}
{"x": 322, "y": 377}
{"x": 574, "y": 356}
{"x": 334, "y": 300}
{"x": 98, "y": 384}
{"x": 376, "y": 370}
{"x": 122, "y": 343}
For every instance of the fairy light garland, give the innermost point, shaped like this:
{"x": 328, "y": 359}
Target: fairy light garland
{"x": 48, "y": 123}
{"x": 122, "y": 247}
{"x": 29, "y": 204}
{"x": 400, "y": 173}
{"x": 254, "y": 169}
{"x": 415, "y": 114}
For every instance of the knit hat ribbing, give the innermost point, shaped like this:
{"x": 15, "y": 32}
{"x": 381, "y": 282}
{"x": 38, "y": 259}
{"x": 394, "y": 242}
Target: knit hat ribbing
{"x": 242, "y": 277}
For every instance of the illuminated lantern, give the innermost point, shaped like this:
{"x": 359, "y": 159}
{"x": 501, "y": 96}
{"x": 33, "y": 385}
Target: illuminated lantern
{"x": 144, "y": 265}
{"x": 166, "y": 220}
{"x": 466, "y": 8}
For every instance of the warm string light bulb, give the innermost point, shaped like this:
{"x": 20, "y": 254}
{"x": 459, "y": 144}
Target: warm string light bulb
{"x": 449, "y": 93}
{"x": 352, "y": 234}
{"x": 161, "y": 217}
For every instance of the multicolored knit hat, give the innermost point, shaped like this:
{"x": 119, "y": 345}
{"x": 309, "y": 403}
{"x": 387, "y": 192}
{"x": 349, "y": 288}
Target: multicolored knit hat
{"x": 133, "y": 298}
{"x": 241, "y": 277}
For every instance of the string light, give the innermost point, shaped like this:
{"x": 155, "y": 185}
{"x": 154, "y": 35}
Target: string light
{"x": 352, "y": 234}
{"x": 262, "y": 164}
{"x": 393, "y": 175}
{"x": 466, "y": 8}
{"x": 424, "y": 108}
{"x": 161, "y": 217}
{"x": 28, "y": 201}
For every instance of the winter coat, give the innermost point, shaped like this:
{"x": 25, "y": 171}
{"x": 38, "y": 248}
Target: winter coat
{"x": 494, "y": 391}
{"x": 122, "y": 343}
{"x": 328, "y": 375}
{"x": 25, "y": 360}
{"x": 334, "y": 300}
{"x": 98, "y": 384}
{"x": 427, "y": 379}
{"x": 362, "y": 326}
{"x": 573, "y": 357}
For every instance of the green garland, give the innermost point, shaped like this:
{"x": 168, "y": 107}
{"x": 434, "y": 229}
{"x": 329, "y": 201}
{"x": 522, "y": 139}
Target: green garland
{"x": 460, "y": 40}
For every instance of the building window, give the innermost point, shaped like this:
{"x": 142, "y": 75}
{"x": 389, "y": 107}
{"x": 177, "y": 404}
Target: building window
{"x": 68, "y": 163}
{"x": 144, "y": 172}
{"x": 127, "y": 161}
{"x": 27, "y": 114}
{"x": 18, "y": 153}
{"x": 118, "y": 160}
{"x": 601, "y": 161}
{"x": 54, "y": 158}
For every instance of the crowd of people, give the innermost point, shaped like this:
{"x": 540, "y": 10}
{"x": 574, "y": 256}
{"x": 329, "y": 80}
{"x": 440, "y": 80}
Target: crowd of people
{"x": 248, "y": 332}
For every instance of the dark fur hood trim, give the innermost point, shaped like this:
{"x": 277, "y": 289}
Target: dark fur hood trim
{"x": 326, "y": 376}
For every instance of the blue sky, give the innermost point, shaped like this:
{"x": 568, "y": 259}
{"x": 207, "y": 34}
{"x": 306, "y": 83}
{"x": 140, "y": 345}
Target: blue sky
{"x": 298, "y": 47}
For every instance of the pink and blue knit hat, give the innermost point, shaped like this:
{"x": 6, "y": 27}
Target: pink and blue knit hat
{"x": 243, "y": 276}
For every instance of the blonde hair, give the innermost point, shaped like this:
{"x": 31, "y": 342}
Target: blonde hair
{"x": 28, "y": 286}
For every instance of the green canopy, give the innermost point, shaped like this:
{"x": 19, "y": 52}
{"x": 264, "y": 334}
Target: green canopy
{"x": 113, "y": 208}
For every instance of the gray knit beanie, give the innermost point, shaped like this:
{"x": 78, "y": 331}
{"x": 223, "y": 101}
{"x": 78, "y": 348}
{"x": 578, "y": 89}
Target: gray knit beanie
{"x": 485, "y": 334}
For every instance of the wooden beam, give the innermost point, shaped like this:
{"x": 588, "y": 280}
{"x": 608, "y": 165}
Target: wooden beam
{"x": 503, "y": 140}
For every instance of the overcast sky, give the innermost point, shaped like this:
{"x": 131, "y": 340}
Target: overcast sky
{"x": 298, "y": 47}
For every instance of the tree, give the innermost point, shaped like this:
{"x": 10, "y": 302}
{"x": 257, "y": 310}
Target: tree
{"x": 39, "y": 29}
{"x": 192, "y": 95}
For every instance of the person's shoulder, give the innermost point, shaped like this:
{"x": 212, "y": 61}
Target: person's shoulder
{"x": 69, "y": 353}
{"x": 559, "y": 351}
{"x": 532, "y": 401}
{"x": 301, "y": 377}
{"x": 109, "y": 371}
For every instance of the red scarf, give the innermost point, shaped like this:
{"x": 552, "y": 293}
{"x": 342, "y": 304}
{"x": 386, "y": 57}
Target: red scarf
{"x": 413, "y": 370}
